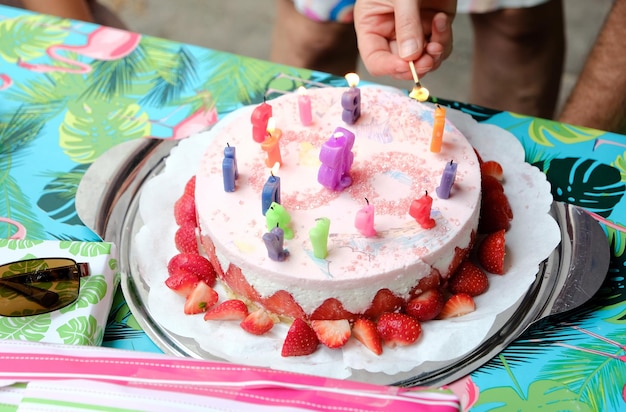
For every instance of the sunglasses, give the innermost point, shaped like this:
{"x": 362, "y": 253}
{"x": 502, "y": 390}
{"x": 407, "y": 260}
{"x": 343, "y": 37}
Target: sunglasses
{"x": 36, "y": 286}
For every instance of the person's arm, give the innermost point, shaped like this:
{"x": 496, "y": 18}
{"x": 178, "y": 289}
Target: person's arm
{"x": 599, "y": 97}
{"x": 71, "y": 9}
{"x": 391, "y": 33}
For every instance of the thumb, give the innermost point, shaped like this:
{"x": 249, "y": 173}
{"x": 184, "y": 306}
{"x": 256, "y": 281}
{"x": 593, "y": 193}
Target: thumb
{"x": 409, "y": 32}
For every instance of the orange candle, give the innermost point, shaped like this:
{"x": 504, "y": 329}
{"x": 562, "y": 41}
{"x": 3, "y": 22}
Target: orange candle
{"x": 270, "y": 144}
{"x": 438, "y": 126}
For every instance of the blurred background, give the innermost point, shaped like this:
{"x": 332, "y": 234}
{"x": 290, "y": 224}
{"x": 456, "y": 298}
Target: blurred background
{"x": 244, "y": 27}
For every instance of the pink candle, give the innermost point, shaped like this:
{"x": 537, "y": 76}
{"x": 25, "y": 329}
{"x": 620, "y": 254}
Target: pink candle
{"x": 420, "y": 211}
{"x": 351, "y": 100}
{"x": 304, "y": 107}
{"x": 447, "y": 180}
{"x": 259, "y": 118}
{"x": 270, "y": 144}
{"x": 364, "y": 220}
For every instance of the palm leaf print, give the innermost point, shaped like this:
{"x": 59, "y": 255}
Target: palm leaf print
{"x": 27, "y": 37}
{"x": 82, "y": 330}
{"x": 58, "y": 198}
{"x": 601, "y": 188}
{"x": 170, "y": 84}
{"x": 32, "y": 328}
{"x": 543, "y": 131}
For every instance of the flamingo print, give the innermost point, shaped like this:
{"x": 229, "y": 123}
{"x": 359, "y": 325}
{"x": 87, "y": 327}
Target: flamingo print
{"x": 5, "y": 81}
{"x": 104, "y": 43}
{"x": 198, "y": 121}
{"x": 21, "y": 230}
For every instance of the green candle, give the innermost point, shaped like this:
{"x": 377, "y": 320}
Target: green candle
{"x": 277, "y": 216}
{"x": 319, "y": 237}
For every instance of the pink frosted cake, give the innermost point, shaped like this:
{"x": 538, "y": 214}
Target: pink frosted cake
{"x": 360, "y": 269}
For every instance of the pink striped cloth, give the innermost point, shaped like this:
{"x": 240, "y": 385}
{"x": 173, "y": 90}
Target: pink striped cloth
{"x": 116, "y": 372}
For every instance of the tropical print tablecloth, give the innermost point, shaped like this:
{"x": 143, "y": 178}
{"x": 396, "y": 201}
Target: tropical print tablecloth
{"x": 70, "y": 90}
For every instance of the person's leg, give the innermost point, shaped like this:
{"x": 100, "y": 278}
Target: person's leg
{"x": 518, "y": 59}
{"x": 303, "y": 42}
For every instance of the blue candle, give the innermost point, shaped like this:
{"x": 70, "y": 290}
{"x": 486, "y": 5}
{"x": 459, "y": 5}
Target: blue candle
{"x": 351, "y": 100}
{"x": 274, "y": 240}
{"x": 270, "y": 193}
{"x": 447, "y": 180}
{"x": 229, "y": 169}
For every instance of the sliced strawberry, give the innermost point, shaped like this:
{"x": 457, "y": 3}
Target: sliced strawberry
{"x": 257, "y": 322}
{"x": 491, "y": 252}
{"x": 282, "y": 303}
{"x": 185, "y": 210}
{"x": 200, "y": 299}
{"x": 209, "y": 248}
{"x": 195, "y": 264}
{"x": 480, "y": 159}
{"x": 185, "y": 239}
{"x": 182, "y": 282}
{"x": 398, "y": 329}
{"x": 301, "y": 340}
{"x": 331, "y": 309}
{"x": 431, "y": 281}
{"x": 457, "y": 305}
{"x": 469, "y": 279}
{"x": 427, "y": 305}
{"x": 232, "y": 309}
{"x": 492, "y": 168}
{"x": 364, "y": 330}
{"x": 495, "y": 212}
{"x": 238, "y": 284}
{"x": 190, "y": 186}
{"x": 332, "y": 333}
{"x": 384, "y": 301}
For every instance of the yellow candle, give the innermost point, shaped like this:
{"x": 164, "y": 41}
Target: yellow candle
{"x": 438, "y": 126}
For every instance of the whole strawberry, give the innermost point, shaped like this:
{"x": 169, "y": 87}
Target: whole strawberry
{"x": 398, "y": 329}
{"x": 185, "y": 210}
{"x": 301, "y": 340}
{"x": 426, "y": 305}
{"x": 185, "y": 239}
{"x": 491, "y": 252}
{"x": 469, "y": 279}
{"x": 195, "y": 264}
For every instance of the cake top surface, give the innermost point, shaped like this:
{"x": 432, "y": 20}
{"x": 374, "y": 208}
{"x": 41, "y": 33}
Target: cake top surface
{"x": 392, "y": 166}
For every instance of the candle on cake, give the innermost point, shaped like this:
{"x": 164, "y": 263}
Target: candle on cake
{"x": 277, "y": 216}
{"x": 229, "y": 168}
{"x": 304, "y": 106}
{"x": 337, "y": 157}
{"x": 271, "y": 190}
{"x": 438, "y": 128}
{"x": 259, "y": 118}
{"x": 319, "y": 237}
{"x": 351, "y": 100}
{"x": 364, "y": 220}
{"x": 447, "y": 180}
{"x": 420, "y": 211}
{"x": 271, "y": 144}
{"x": 274, "y": 240}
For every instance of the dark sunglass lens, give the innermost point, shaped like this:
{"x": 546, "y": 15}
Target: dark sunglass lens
{"x": 36, "y": 286}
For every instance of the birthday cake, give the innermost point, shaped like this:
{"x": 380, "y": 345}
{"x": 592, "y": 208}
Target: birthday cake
{"x": 373, "y": 261}
{"x": 373, "y": 252}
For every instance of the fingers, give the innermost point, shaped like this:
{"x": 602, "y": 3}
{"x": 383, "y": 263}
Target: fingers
{"x": 440, "y": 45}
{"x": 409, "y": 32}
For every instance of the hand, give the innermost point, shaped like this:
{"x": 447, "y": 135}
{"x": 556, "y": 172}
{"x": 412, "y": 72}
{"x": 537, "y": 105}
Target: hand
{"x": 391, "y": 33}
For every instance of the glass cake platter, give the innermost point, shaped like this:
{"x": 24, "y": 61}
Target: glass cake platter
{"x": 107, "y": 201}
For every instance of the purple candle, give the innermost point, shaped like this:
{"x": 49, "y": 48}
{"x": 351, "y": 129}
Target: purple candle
{"x": 270, "y": 193}
{"x": 274, "y": 240}
{"x": 447, "y": 180}
{"x": 229, "y": 168}
{"x": 336, "y": 157}
{"x": 351, "y": 100}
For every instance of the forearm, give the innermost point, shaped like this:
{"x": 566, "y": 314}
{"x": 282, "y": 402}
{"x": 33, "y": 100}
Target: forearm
{"x": 71, "y": 9}
{"x": 599, "y": 97}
